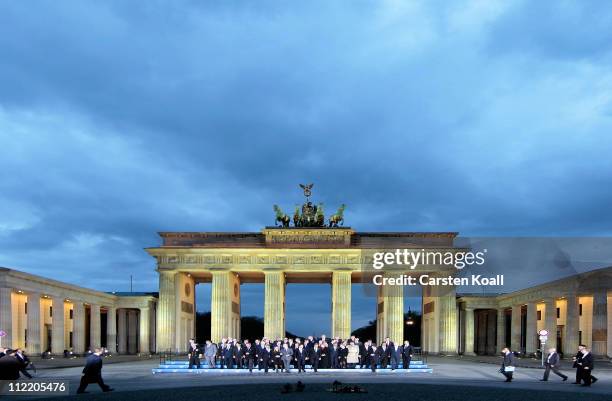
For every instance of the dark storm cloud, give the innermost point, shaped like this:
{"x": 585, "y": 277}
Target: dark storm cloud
{"x": 120, "y": 119}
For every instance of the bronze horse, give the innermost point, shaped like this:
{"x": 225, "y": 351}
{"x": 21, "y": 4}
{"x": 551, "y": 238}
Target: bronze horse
{"x": 337, "y": 218}
{"x": 281, "y": 217}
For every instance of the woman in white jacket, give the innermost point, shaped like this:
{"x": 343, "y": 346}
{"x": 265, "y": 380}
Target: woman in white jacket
{"x": 353, "y": 355}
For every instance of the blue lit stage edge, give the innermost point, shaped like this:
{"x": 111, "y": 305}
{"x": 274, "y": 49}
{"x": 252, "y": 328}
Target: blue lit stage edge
{"x": 182, "y": 367}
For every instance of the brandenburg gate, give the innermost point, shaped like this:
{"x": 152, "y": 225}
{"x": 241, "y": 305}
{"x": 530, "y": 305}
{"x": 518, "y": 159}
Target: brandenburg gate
{"x": 310, "y": 251}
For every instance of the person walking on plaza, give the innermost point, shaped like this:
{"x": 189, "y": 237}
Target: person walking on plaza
{"x": 286, "y": 355}
{"x": 507, "y": 367}
{"x": 552, "y": 363}
{"x": 194, "y": 354}
{"x": 92, "y": 373}
{"x": 587, "y": 365}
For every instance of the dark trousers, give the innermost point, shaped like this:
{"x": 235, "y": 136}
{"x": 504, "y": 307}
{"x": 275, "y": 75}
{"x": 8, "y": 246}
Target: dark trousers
{"x": 300, "y": 365}
{"x": 315, "y": 364}
{"x": 249, "y": 363}
{"x": 578, "y": 374}
{"x": 586, "y": 376}
{"x": 194, "y": 360}
{"x": 555, "y": 370}
{"x": 373, "y": 364}
{"x": 85, "y": 380}
{"x": 508, "y": 376}
{"x": 406, "y": 361}
{"x": 383, "y": 362}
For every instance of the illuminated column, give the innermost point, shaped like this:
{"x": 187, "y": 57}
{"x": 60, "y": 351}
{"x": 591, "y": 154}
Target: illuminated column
{"x": 274, "y": 305}
{"x": 448, "y": 319}
{"x": 531, "y": 330}
{"x": 78, "y": 331}
{"x": 94, "y": 326}
{"x": 143, "y": 342}
{"x": 515, "y": 333}
{"x": 57, "y": 326}
{"x": 221, "y": 305}
{"x": 111, "y": 329}
{"x": 572, "y": 319}
{"x": 469, "y": 331}
{"x": 122, "y": 331}
{"x": 166, "y": 312}
{"x": 600, "y": 323}
{"x": 390, "y": 311}
{"x": 501, "y": 329}
{"x": 550, "y": 322}
{"x": 6, "y": 316}
{"x": 341, "y": 304}
{"x": 34, "y": 324}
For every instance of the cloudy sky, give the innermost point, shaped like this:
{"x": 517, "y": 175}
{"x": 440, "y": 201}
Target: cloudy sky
{"x": 121, "y": 119}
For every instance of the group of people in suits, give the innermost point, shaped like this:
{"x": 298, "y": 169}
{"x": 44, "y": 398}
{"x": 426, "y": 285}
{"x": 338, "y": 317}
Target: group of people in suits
{"x": 316, "y": 353}
{"x": 13, "y": 364}
{"x": 583, "y": 362}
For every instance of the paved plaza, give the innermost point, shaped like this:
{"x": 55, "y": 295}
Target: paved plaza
{"x": 452, "y": 379}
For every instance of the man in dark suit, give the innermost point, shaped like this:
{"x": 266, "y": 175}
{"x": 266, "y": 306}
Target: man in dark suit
{"x": 406, "y": 354}
{"x": 264, "y": 358}
{"x": 552, "y": 363}
{"x": 384, "y": 355}
{"x": 577, "y": 365}
{"x": 92, "y": 373}
{"x": 9, "y": 366}
{"x": 24, "y": 361}
{"x": 228, "y": 355}
{"x": 587, "y": 365}
{"x": 300, "y": 358}
{"x": 194, "y": 354}
{"x": 248, "y": 353}
{"x": 374, "y": 355}
{"x": 315, "y": 356}
{"x": 507, "y": 367}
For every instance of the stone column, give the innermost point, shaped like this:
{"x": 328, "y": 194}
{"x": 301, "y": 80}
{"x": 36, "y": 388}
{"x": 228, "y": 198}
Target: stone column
{"x": 501, "y": 329}
{"x": 448, "y": 320}
{"x": 34, "y": 333}
{"x": 122, "y": 331}
{"x": 6, "y": 316}
{"x": 531, "y": 332}
{"x": 111, "y": 329}
{"x": 220, "y": 306}
{"x": 132, "y": 343}
{"x": 166, "y": 312}
{"x": 57, "y": 326}
{"x": 550, "y": 322}
{"x": 609, "y": 325}
{"x": 572, "y": 319}
{"x": 516, "y": 328}
{"x": 600, "y": 323}
{"x": 94, "y": 326}
{"x": 469, "y": 331}
{"x": 143, "y": 339}
{"x": 341, "y": 304}
{"x": 274, "y": 305}
{"x": 78, "y": 332}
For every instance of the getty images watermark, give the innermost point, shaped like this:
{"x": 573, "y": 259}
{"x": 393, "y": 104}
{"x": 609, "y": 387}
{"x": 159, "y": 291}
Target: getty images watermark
{"x": 402, "y": 259}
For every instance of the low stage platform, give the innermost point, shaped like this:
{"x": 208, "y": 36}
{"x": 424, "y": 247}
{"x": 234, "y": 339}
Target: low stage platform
{"x": 182, "y": 367}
